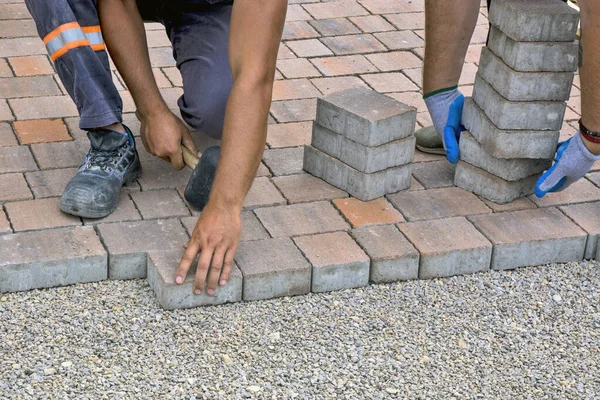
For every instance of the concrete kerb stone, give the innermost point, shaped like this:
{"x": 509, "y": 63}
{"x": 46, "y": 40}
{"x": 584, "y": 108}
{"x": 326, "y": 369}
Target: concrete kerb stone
{"x": 508, "y": 143}
{"x": 524, "y": 86}
{"x": 535, "y": 20}
{"x": 517, "y": 115}
{"x": 365, "y": 116}
{"x": 534, "y": 56}
{"x": 586, "y": 216}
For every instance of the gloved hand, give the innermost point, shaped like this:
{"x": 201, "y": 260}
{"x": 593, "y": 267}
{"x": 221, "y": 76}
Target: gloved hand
{"x": 573, "y": 161}
{"x": 446, "y": 108}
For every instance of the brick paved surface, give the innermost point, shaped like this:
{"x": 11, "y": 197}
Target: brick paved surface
{"x": 293, "y": 222}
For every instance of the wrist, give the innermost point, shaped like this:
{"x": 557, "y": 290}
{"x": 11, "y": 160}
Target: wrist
{"x": 150, "y": 111}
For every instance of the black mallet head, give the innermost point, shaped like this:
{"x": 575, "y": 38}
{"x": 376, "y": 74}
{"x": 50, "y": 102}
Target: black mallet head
{"x": 198, "y": 188}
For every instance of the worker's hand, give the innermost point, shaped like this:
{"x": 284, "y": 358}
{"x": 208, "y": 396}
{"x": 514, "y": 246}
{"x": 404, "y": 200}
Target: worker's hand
{"x": 215, "y": 237}
{"x": 163, "y": 134}
{"x": 446, "y": 109}
{"x": 573, "y": 161}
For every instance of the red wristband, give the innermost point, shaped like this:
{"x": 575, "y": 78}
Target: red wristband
{"x": 587, "y": 136}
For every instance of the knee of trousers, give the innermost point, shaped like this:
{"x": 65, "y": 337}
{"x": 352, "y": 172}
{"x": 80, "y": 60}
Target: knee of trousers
{"x": 205, "y": 116}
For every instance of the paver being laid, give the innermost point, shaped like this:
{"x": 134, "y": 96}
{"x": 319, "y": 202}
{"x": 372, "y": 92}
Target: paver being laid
{"x": 586, "y": 216}
{"x": 48, "y": 258}
{"x": 363, "y": 213}
{"x": 531, "y": 237}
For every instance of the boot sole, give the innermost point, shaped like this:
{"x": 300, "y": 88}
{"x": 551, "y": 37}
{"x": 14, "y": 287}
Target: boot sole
{"x": 432, "y": 150}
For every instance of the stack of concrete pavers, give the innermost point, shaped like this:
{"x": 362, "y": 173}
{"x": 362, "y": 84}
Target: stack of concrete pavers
{"x": 514, "y": 118}
{"x": 362, "y": 143}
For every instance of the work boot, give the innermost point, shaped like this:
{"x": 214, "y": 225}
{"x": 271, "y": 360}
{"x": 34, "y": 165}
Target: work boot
{"x": 111, "y": 163}
{"x": 428, "y": 141}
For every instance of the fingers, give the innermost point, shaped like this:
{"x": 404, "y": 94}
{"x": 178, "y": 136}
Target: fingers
{"x": 215, "y": 270}
{"x": 177, "y": 159}
{"x": 188, "y": 142}
{"x": 186, "y": 261}
{"x": 202, "y": 270}
{"x": 227, "y": 266}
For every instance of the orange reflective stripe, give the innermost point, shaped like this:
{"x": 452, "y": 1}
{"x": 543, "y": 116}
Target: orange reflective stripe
{"x": 90, "y": 29}
{"x": 98, "y": 47}
{"x": 58, "y": 31}
{"x": 69, "y": 46}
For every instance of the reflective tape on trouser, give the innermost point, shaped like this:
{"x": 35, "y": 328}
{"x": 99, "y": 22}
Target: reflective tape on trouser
{"x": 71, "y": 35}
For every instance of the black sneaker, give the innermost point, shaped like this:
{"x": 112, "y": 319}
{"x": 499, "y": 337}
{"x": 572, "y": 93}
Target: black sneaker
{"x": 111, "y": 163}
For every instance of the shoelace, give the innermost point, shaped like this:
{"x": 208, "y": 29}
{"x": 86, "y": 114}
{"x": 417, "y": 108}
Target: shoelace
{"x": 105, "y": 160}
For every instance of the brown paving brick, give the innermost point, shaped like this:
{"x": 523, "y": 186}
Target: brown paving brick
{"x": 272, "y": 268}
{"x": 434, "y": 175}
{"x": 161, "y": 57}
{"x": 39, "y": 214}
{"x": 596, "y": 166}
{"x": 395, "y": 60}
{"x": 302, "y": 188}
{"x": 31, "y": 65}
{"x": 389, "y": 7}
{"x": 353, "y": 44}
{"x": 579, "y": 192}
{"x": 344, "y": 65}
{"x": 399, "y": 40}
{"x": 334, "y": 27}
{"x": 594, "y": 177}
{"x": 4, "y": 224}
{"x": 5, "y": 112}
{"x": 289, "y": 135}
{"x": 362, "y": 213}
{"x": 393, "y": 257}
{"x": 415, "y": 185}
{"x": 13, "y": 187}
{"x": 43, "y": 107}
{"x": 262, "y": 171}
{"x": 14, "y": 11}
{"x": 294, "y": 110}
{"x": 28, "y": 86}
{"x": 337, "y": 261}
{"x": 335, "y": 9}
{"x": 60, "y": 154}
{"x": 18, "y": 28}
{"x": 263, "y": 193}
{"x": 7, "y": 137}
{"x": 467, "y": 76}
{"x": 21, "y": 47}
{"x": 298, "y": 30}
{"x": 161, "y": 175}
{"x": 284, "y": 52}
{"x": 337, "y": 84}
{"x": 5, "y": 71}
{"x": 451, "y": 246}
{"x": 473, "y": 53}
{"x": 285, "y": 161}
{"x": 309, "y": 48}
{"x": 586, "y": 216}
{"x": 517, "y": 205}
{"x": 531, "y": 237}
{"x": 301, "y": 219}
{"x": 295, "y": 12}
{"x": 41, "y": 131}
{"x": 163, "y": 203}
{"x": 297, "y": 68}
{"x": 125, "y": 211}
{"x": 415, "y": 75}
{"x": 160, "y": 78}
{"x": 404, "y": 21}
{"x": 413, "y": 99}
{"x": 424, "y": 119}
{"x": 437, "y": 203}
{"x": 252, "y": 229}
{"x": 372, "y": 23}
{"x": 294, "y": 89}
{"x": 389, "y": 82}
{"x": 174, "y": 76}
{"x": 16, "y": 159}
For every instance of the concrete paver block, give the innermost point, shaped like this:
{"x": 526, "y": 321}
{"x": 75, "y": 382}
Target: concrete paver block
{"x": 4, "y": 223}
{"x": 490, "y": 186}
{"x": 446, "y": 253}
{"x": 39, "y": 214}
{"x": 535, "y": 20}
{"x": 582, "y": 191}
{"x": 435, "y": 174}
{"x": 363, "y": 158}
{"x": 57, "y": 257}
{"x": 510, "y": 169}
{"x": 302, "y": 188}
{"x": 252, "y": 229}
{"x": 508, "y": 143}
{"x": 531, "y": 237}
{"x": 524, "y": 86}
{"x": 161, "y": 278}
{"x": 128, "y": 244}
{"x": 362, "y": 213}
{"x": 517, "y": 115}
{"x": 337, "y": 261}
{"x": 393, "y": 257}
{"x": 273, "y": 268}
{"x": 162, "y": 203}
{"x": 586, "y": 216}
{"x": 534, "y": 56}
{"x": 365, "y": 116}
{"x": 14, "y": 187}
{"x": 16, "y": 159}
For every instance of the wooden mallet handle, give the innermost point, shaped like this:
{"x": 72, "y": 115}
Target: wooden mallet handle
{"x": 190, "y": 159}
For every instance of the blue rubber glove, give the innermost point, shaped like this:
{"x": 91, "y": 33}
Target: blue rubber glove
{"x": 446, "y": 108}
{"x": 573, "y": 161}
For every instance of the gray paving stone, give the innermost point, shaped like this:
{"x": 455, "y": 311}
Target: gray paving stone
{"x": 535, "y": 20}
{"x": 14, "y": 187}
{"x": 524, "y": 86}
{"x": 129, "y": 242}
{"x": 365, "y": 116}
{"x": 273, "y": 268}
{"x": 534, "y": 56}
{"x": 393, "y": 257}
{"x": 60, "y": 154}
{"x": 508, "y": 143}
{"x": 358, "y": 184}
{"x": 49, "y": 183}
{"x": 510, "y": 169}
{"x": 161, "y": 278}
{"x": 286, "y": 161}
{"x": 4, "y": 223}
{"x": 126, "y": 211}
{"x": 162, "y": 203}
{"x": 586, "y": 216}
{"x": 491, "y": 187}
{"x": 446, "y": 253}
{"x": 252, "y": 229}
{"x": 364, "y": 158}
{"x": 16, "y": 159}
{"x": 517, "y": 115}
{"x": 40, "y": 259}
{"x": 159, "y": 174}
{"x": 337, "y": 261}
{"x": 435, "y": 174}
{"x": 531, "y": 237}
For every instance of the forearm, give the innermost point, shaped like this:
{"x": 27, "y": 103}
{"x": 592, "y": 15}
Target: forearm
{"x": 449, "y": 25}
{"x": 125, "y": 37}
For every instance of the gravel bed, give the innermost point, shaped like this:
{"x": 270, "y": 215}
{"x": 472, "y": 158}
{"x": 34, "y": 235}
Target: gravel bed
{"x": 532, "y": 333}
